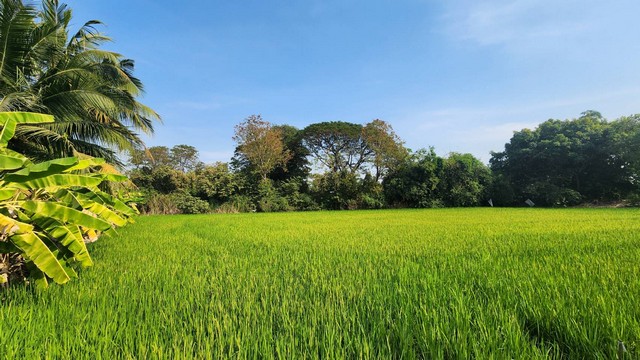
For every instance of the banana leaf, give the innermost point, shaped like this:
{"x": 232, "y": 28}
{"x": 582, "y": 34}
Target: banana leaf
{"x": 42, "y": 169}
{"x": 99, "y": 209}
{"x": 65, "y": 214}
{"x": 86, "y": 163}
{"x": 7, "y": 132}
{"x": 24, "y": 118}
{"x": 6, "y": 194}
{"x": 68, "y": 237}
{"x": 8, "y": 162}
{"x": 35, "y": 250}
{"x": 9, "y": 226}
{"x": 55, "y": 182}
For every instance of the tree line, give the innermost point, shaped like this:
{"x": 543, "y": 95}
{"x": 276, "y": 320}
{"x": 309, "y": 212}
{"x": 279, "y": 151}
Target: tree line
{"x": 339, "y": 165}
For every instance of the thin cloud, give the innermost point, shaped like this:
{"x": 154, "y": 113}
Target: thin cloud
{"x": 521, "y": 25}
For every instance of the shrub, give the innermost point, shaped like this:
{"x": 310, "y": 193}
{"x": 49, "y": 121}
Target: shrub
{"x": 160, "y": 204}
{"x": 188, "y": 204}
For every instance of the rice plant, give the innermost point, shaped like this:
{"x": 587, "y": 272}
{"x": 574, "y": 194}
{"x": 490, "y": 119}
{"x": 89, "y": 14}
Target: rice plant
{"x": 411, "y": 284}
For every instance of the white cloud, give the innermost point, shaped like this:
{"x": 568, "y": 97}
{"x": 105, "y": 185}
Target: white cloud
{"x": 521, "y": 25}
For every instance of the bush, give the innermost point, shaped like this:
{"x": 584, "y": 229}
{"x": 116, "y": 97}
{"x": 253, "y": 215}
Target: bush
{"x": 371, "y": 201}
{"x": 296, "y": 199}
{"x": 159, "y": 204}
{"x": 546, "y": 194}
{"x": 188, "y": 204}
{"x": 634, "y": 200}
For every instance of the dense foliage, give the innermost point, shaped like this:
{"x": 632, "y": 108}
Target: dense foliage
{"x": 339, "y": 165}
{"x": 411, "y": 284}
{"x": 56, "y": 191}
{"x": 572, "y": 161}
{"x": 49, "y": 210}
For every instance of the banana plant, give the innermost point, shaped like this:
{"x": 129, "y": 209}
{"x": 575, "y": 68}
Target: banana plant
{"x": 49, "y": 210}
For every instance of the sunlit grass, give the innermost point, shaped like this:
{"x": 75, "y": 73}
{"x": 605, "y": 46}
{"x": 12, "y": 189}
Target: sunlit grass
{"x": 452, "y": 283}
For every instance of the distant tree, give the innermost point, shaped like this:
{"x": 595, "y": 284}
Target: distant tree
{"x": 464, "y": 181}
{"x": 184, "y": 158}
{"x": 336, "y": 190}
{"x": 298, "y": 164}
{"x": 150, "y": 158}
{"x": 260, "y": 147}
{"x": 216, "y": 183}
{"x": 163, "y": 179}
{"x": 416, "y": 182}
{"x": 388, "y": 149}
{"x": 180, "y": 157}
{"x": 566, "y": 162}
{"x": 625, "y": 153}
{"x": 159, "y": 156}
{"x": 338, "y": 146}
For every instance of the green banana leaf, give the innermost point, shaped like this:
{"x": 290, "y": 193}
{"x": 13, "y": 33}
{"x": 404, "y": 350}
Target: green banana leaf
{"x": 35, "y": 250}
{"x": 61, "y": 254}
{"x": 99, "y": 209}
{"x": 69, "y": 237}
{"x": 65, "y": 214}
{"x": 9, "y": 120}
{"x": 8, "y": 162}
{"x": 9, "y": 226}
{"x": 114, "y": 202}
{"x": 6, "y": 194}
{"x": 24, "y": 118}
{"x": 15, "y": 154}
{"x": 36, "y": 275}
{"x": 86, "y": 163}
{"x": 7, "y": 132}
{"x": 55, "y": 182}
{"x": 42, "y": 169}
{"x": 66, "y": 198}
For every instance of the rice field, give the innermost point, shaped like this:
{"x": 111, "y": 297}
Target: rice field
{"x": 411, "y": 284}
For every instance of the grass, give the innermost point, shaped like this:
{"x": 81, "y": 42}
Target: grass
{"x": 448, "y": 283}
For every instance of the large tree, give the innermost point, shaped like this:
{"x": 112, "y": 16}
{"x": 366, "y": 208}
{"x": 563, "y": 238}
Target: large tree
{"x": 464, "y": 180}
{"x": 388, "y": 149}
{"x": 260, "y": 147}
{"x": 346, "y": 147}
{"x": 297, "y": 167}
{"x": 337, "y": 145}
{"x": 416, "y": 183}
{"x": 92, "y": 93}
{"x": 563, "y": 162}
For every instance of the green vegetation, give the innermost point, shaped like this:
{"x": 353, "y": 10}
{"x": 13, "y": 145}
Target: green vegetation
{"x": 440, "y": 283}
{"x": 559, "y": 164}
{"x": 49, "y": 209}
{"x": 568, "y": 162}
{"x": 56, "y": 191}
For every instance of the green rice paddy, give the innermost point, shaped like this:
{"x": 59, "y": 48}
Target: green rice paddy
{"x": 429, "y": 284}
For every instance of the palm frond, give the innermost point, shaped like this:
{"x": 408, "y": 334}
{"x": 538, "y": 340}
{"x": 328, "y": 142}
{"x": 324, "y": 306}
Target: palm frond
{"x": 16, "y": 23}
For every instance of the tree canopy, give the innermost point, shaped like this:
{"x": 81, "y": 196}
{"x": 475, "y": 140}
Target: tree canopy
{"x": 565, "y": 162}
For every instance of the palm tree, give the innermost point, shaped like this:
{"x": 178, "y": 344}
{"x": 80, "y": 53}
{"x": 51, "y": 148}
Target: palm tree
{"x": 90, "y": 92}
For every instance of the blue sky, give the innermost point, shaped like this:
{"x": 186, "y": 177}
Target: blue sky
{"x": 459, "y": 75}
